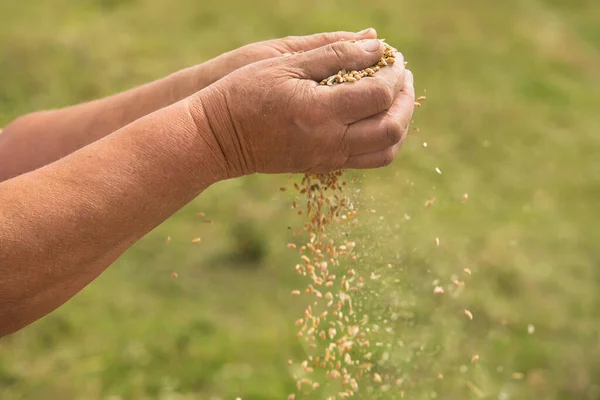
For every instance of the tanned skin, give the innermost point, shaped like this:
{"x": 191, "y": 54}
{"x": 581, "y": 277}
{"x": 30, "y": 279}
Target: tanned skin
{"x": 78, "y": 186}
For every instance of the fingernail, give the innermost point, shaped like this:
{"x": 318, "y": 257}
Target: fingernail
{"x": 370, "y": 45}
{"x": 364, "y": 31}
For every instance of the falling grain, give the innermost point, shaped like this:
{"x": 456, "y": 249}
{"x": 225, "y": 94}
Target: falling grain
{"x": 332, "y": 334}
{"x": 475, "y": 390}
{"x": 517, "y": 375}
{"x": 530, "y": 329}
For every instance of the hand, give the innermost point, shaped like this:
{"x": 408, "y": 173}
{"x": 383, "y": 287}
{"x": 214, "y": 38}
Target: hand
{"x": 273, "y": 117}
{"x": 228, "y": 62}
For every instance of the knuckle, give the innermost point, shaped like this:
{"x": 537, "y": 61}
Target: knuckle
{"x": 328, "y": 37}
{"x": 289, "y": 39}
{"x": 290, "y": 43}
{"x": 382, "y": 96}
{"x": 393, "y": 131}
{"x": 339, "y": 50}
{"x": 386, "y": 158}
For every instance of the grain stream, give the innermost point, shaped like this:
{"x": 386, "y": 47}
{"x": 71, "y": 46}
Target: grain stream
{"x": 335, "y": 333}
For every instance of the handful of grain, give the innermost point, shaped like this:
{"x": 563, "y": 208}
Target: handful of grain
{"x": 388, "y": 58}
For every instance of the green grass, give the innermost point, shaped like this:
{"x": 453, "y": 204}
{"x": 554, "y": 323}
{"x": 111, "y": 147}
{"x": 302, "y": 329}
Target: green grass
{"x": 511, "y": 118}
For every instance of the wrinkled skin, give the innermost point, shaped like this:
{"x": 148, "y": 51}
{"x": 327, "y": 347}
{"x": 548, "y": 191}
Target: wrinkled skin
{"x": 273, "y": 117}
{"x": 248, "y": 54}
{"x": 79, "y": 186}
{"x": 39, "y": 138}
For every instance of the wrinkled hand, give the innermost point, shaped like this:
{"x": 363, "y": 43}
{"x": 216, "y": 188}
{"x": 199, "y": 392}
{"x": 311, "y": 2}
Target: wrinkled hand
{"x": 235, "y": 59}
{"x": 273, "y": 117}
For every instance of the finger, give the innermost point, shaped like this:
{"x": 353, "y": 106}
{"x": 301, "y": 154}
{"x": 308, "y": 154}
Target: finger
{"x": 377, "y": 159}
{"x": 306, "y": 43}
{"x": 353, "y": 101}
{"x": 385, "y": 129}
{"x": 381, "y": 158}
{"x": 327, "y": 60}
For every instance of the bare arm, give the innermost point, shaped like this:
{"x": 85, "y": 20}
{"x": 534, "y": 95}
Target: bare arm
{"x": 38, "y": 139}
{"x": 64, "y": 223}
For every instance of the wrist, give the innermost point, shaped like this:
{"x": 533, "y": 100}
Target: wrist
{"x": 210, "y": 112}
{"x": 195, "y": 78}
{"x": 184, "y": 83}
{"x": 208, "y": 161}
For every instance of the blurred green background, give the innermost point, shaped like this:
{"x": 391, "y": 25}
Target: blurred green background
{"x": 512, "y": 118}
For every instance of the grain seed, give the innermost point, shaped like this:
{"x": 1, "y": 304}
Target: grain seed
{"x": 337, "y": 331}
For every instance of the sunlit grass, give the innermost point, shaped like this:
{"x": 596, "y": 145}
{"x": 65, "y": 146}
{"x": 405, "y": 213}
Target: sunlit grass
{"x": 511, "y": 119}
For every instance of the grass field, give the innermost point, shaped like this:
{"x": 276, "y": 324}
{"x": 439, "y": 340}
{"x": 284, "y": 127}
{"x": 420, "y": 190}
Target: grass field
{"x": 512, "y": 119}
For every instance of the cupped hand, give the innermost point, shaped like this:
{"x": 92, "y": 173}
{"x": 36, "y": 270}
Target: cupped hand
{"x": 248, "y": 54}
{"x": 273, "y": 117}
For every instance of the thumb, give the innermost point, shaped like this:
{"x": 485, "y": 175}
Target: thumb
{"x": 321, "y": 39}
{"x": 328, "y": 60}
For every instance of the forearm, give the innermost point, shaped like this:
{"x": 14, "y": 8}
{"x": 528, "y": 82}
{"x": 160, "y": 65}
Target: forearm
{"x": 38, "y": 139}
{"x": 63, "y": 224}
